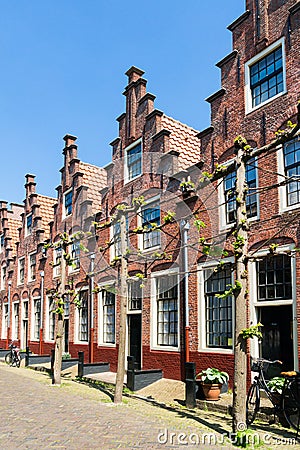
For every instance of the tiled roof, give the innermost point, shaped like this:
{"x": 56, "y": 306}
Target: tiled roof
{"x": 183, "y": 139}
{"x": 95, "y": 179}
{"x": 46, "y": 211}
{"x": 14, "y": 223}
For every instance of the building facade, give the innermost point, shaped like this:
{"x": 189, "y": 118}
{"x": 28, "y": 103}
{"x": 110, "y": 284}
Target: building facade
{"x": 178, "y": 234}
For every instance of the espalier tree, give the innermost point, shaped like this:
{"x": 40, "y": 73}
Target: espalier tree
{"x": 64, "y": 292}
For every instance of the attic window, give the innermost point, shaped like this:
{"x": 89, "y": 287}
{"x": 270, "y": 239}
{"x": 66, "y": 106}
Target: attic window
{"x": 133, "y": 161}
{"x": 68, "y": 199}
{"x": 265, "y": 76}
{"x": 28, "y": 224}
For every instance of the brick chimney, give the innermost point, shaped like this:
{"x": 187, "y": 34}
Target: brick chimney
{"x": 70, "y": 154}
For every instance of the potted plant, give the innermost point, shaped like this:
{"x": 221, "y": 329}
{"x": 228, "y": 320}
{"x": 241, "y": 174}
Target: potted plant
{"x": 276, "y": 386}
{"x": 212, "y": 380}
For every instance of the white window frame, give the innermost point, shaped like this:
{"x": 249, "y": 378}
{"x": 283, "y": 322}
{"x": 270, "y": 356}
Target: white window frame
{"x": 56, "y": 268}
{"x": 255, "y": 303}
{"x": 2, "y": 242}
{"x": 33, "y": 323}
{"x": 156, "y": 201}
{"x": 126, "y": 150}
{"x": 255, "y": 59}
{"x": 221, "y": 196}
{"x": 283, "y": 206}
{"x": 101, "y": 316}
{"x": 49, "y": 300}
{"x": 28, "y": 231}
{"x": 153, "y": 312}
{"x": 72, "y": 269}
{"x": 64, "y": 213}
{"x": 15, "y": 324}
{"x": 4, "y": 320}
{"x": 30, "y": 278}
{"x": 77, "y": 321}
{"x": 19, "y": 270}
{"x": 3, "y": 277}
{"x": 202, "y": 309}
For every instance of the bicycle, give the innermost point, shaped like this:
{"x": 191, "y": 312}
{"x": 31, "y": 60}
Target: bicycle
{"x": 13, "y": 358}
{"x": 286, "y": 404}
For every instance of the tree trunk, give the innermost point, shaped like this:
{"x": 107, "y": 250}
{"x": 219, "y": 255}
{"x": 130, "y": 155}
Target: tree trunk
{"x": 240, "y": 347}
{"x": 123, "y": 312}
{"x": 59, "y": 339}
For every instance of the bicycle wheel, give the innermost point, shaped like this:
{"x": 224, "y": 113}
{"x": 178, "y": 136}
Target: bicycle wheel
{"x": 8, "y": 358}
{"x": 252, "y": 403}
{"x": 291, "y": 403}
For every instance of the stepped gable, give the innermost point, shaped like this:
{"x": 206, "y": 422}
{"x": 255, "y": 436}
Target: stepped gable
{"x": 95, "y": 179}
{"x": 46, "y": 211}
{"x": 184, "y": 140}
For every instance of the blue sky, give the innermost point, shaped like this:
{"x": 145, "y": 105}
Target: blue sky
{"x": 62, "y": 71}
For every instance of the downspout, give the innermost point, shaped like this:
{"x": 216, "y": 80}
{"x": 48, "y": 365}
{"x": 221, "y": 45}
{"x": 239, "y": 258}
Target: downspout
{"x": 185, "y": 226}
{"x": 92, "y": 330}
{"x": 42, "y": 274}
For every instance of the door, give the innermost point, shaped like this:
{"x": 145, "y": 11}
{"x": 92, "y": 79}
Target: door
{"x": 277, "y": 330}
{"x": 135, "y": 338}
{"x": 66, "y": 344}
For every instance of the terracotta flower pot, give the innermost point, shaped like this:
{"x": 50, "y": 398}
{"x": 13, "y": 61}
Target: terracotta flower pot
{"x": 211, "y": 391}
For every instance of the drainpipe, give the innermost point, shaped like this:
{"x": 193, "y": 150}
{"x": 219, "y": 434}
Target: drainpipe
{"x": 8, "y": 314}
{"x": 92, "y": 330}
{"x": 42, "y": 274}
{"x": 185, "y": 226}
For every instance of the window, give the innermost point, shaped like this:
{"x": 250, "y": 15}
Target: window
{"x": 291, "y": 152}
{"x": 21, "y": 270}
{"x": 167, "y": 310}
{"x": 2, "y": 242}
{"x": 36, "y": 318}
{"x": 57, "y": 262}
{"x": 274, "y": 278}
{"x": 265, "y": 76}
{"x": 108, "y": 305}
{"x": 51, "y": 318}
{"x": 133, "y": 166}
{"x": 83, "y": 316}
{"x": 15, "y": 330}
{"x": 5, "y": 320}
{"x": 68, "y": 198}
{"x": 150, "y": 219}
{"x": 229, "y": 193}
{"x": 28, "y": 224}
{"x": 32, "y": 267}
{"x": 3, "y": 277}
{"x": 135, "y": 295}
{"x": 75, "y": 255}
{"x": 117, "y": 239}
{"x": 218, "y": 311}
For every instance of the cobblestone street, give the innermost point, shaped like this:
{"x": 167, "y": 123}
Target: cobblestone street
{"x": 35, "y": 415}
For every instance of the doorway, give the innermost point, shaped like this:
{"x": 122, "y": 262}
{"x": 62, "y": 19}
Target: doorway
{"x": 66, "y": 333}
{"x": 135, "y": 338}
{"x": 277, "y": 330}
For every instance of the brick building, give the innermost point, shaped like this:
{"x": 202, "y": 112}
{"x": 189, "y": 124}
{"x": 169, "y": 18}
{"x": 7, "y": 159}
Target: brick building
{"x": 177, "y": 311}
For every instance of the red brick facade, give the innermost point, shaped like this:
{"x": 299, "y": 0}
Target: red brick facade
{"x": 159, "y": 158}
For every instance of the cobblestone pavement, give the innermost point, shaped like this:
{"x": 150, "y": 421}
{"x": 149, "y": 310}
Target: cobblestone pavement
{"x": 37, "y": 415}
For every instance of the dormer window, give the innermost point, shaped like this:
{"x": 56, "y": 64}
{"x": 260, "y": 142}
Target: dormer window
{"x": 133, "y": 161}
{"x": 68, "y": 200}
{"x": 28, "y": 224}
